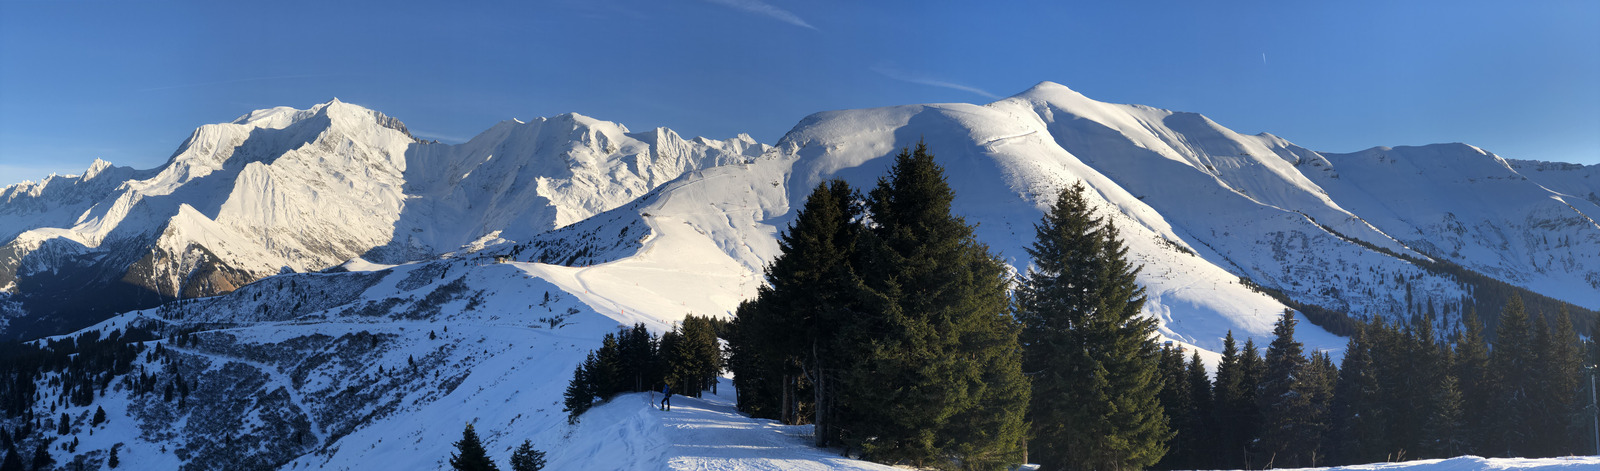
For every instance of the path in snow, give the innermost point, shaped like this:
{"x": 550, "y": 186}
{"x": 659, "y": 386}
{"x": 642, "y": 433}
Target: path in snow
{"x": 697, "y": 434}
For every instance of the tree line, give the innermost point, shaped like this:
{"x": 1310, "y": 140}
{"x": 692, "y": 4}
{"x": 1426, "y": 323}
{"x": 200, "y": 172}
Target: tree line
{"x": 688, "y": 357}
{"x": 1400, "y": 393}
{"x": 887, "y": 326}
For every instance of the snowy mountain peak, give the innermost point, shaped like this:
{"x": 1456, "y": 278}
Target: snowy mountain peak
{"x": 95, "y": 168}
{"x": 1046, "y": 87}
{"x": 334, "y": 111}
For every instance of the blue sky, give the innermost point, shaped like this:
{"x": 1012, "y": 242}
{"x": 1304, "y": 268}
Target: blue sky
{"x": 127, "y": 81}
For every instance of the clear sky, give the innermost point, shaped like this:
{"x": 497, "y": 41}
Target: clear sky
{"x": 127, "y": 81}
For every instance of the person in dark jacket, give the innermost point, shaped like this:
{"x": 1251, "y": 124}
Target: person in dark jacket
{"x": 666, "y": 397}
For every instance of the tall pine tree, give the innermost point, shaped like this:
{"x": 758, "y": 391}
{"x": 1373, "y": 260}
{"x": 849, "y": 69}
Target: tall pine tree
{"x": 1477, "y": 383}
{"x": 1358, "y": 432}
{"x": 1515, "y": 361}
{"x": 1092, "y": 355}
{"x": 940, "y": 381}
{"x": 1234, "y": 407}
{"x": 1176, "y": 403}
{"x": 1201, "y": 427}
{"x": 1289, "y": 427}
{"x": 470, "y": 455}
{"x": 1555, "y": 401}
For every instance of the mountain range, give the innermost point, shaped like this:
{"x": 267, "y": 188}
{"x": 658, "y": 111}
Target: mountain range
{"x": 338, "y": 282}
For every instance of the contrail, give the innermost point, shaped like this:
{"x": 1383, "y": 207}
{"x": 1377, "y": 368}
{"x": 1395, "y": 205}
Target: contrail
{"x": 765, "y": 9}
{"x": 923, "y": 80}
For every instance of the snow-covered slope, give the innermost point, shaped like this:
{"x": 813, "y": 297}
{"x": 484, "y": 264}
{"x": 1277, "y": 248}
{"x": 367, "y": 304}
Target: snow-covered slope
{"x": 419, "y": 328}
{"x": 301, "y": 190}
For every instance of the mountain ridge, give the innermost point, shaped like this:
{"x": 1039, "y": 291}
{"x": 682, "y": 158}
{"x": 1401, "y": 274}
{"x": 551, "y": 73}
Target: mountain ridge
{"x": 434, "y": 319}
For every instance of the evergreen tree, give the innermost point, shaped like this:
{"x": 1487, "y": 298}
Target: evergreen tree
{"x": 1515, "y": 361}
{"x": 1094, "y": 361}
{"x": 1424, "y": 367}
{"x": 1230, "y": 412}
{"x": 1477, "y": 383}
{"x": 941, "y": 381}
{"x": 1201, "y": 441}
{"x": 470, "y": 455}
{"x": 1555, "y": 401}
{"x": 606, "y": 371}
{"x": 1444, "y": 431}
{"x": 526, "y": 458}
{"x": 815, "y": 282}
{"x": 580, "y": 393}
{"x": 636, "y": 354}
{"x": 1397, "y": 388}
{"x": 694, "y": 357}
{"x": 13, "y": 462}
{"x": 1321, "y": 375}
{"x": 757, "y": 372}
{"x": 1176, "y": 402}
{"x": 111, "y": 461}
{"x": 1289, "y": 427}
{"x": 1357, "y": 418}
{"x": 41, "y": 457}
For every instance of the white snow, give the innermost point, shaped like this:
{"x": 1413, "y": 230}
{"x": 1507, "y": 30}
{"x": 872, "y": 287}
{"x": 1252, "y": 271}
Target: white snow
{"x": 1198, "y": 206}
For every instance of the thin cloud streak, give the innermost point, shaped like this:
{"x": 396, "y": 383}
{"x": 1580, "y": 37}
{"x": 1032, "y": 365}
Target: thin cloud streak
{"x": 930, "y": 81}
{"x": 765, "y": 9}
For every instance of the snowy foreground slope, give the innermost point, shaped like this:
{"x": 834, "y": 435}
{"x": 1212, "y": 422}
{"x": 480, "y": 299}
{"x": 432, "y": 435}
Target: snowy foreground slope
{"x": 379, "y": 367}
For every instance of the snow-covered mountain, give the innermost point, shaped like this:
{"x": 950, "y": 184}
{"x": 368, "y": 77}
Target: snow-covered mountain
{"x": 286, "y": 190}
{"x": 436, "y": 285}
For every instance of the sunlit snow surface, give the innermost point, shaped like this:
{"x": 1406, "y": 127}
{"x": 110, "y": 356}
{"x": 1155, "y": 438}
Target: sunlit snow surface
{"x": 348, "y": 357}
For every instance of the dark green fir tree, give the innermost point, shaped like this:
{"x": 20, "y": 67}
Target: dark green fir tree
{"x": 1477, "y": 383}
{"x": 941, "y": 382}
{"x": 41, "y": 456}
{"x": 1093, "y": 357}
{"x": 1176, "y": 400}
{"x": 1288, "y": 416}
{"x": 526, "y": 458}
{"x": 580, "y": 392}
{"x": 470, "y": 455}
{"x": 13, "y": 462}
{"x": 1357, "y": 431}
{"x": 1515, "y": 360}
{"x": 1229, "y": 411}
{"x": 1555, "y": 400}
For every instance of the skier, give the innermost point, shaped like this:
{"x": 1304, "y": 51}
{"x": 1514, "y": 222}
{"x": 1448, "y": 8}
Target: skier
{"x": 666, "y": 397}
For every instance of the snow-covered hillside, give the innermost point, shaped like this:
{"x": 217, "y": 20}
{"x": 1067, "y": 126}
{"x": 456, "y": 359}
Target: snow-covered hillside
{"x": 432, "y": 285}
{"x": 286, "y": 190}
